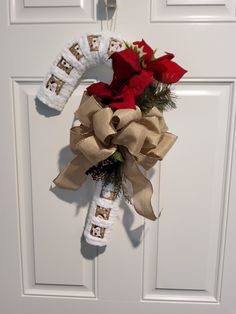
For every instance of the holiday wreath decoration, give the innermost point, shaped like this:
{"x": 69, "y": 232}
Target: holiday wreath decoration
{"x": 122, "y": 125}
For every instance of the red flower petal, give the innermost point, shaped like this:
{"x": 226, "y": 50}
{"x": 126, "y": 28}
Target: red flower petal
{"x": 124, "y": 100}
{"x": 101, "y": 90}
{"x": 173, "y": 72}
{"x": 168, "y": 56}
{"x": 165, "y": 70}
{"x": 140, "y": 81}
{"x": 155, "y": 66}
{"x": 116, "y": 85}
{"x": 125, "y": 64}
{"x": 146, "y": 48}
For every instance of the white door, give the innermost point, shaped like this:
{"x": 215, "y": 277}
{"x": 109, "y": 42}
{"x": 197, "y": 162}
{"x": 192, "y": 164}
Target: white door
{"x": 182, "y": 264}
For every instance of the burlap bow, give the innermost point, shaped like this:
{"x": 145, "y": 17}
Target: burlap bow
{"x": 143, "y": 139}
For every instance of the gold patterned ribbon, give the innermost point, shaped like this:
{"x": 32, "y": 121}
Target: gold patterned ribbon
{"x": 143, "y": 139}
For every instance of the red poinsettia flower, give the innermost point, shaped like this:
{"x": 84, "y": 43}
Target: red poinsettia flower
{"x": 130, "y": 79}
{"x": 148, "y": 51}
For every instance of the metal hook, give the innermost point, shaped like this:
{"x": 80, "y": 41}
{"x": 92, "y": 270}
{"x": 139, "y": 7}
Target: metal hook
{"x": 110, "y": 5}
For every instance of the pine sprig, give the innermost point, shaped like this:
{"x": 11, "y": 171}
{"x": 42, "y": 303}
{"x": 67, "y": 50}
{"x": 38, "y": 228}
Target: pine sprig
{"x": 157, "y": 95}
{"x": 109, "y": 171}
{"x": 118, "y": 180}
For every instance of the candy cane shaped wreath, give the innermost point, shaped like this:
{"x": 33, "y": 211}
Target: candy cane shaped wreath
{"x": 122, "y": 125}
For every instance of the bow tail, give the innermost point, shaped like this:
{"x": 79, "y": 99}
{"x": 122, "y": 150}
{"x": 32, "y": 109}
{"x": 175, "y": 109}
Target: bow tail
{"x": 142, "y": 187}
{"x": 73, "y": 175}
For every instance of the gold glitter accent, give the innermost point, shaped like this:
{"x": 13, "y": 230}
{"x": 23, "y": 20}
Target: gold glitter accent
{"x": 94, "y": 42}
{"x": 97, "y": 231}
{"x": 54, "y": 84}
{"x": 102, "y": 212}
{"x": 114, "y": 45}
{"x": 75, "y": 50}
{"x": 64, "y": 65}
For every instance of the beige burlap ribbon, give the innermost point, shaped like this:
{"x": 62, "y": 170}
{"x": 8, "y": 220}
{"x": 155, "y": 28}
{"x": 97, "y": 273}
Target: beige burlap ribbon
{"x": 142, "y": 138}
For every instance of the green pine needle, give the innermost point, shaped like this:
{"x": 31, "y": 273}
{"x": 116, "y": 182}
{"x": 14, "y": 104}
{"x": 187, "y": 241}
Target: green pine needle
{"x": 157, "y": 95}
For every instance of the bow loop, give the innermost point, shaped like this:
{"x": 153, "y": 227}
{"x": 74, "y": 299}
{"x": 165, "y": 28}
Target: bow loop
{"x": 78, "y": 134}
{"x": 132, "y": 137}
{"x": 88, "y": 106}
{"x": 102, "y": 126}
{"x": 122, "y": 117}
